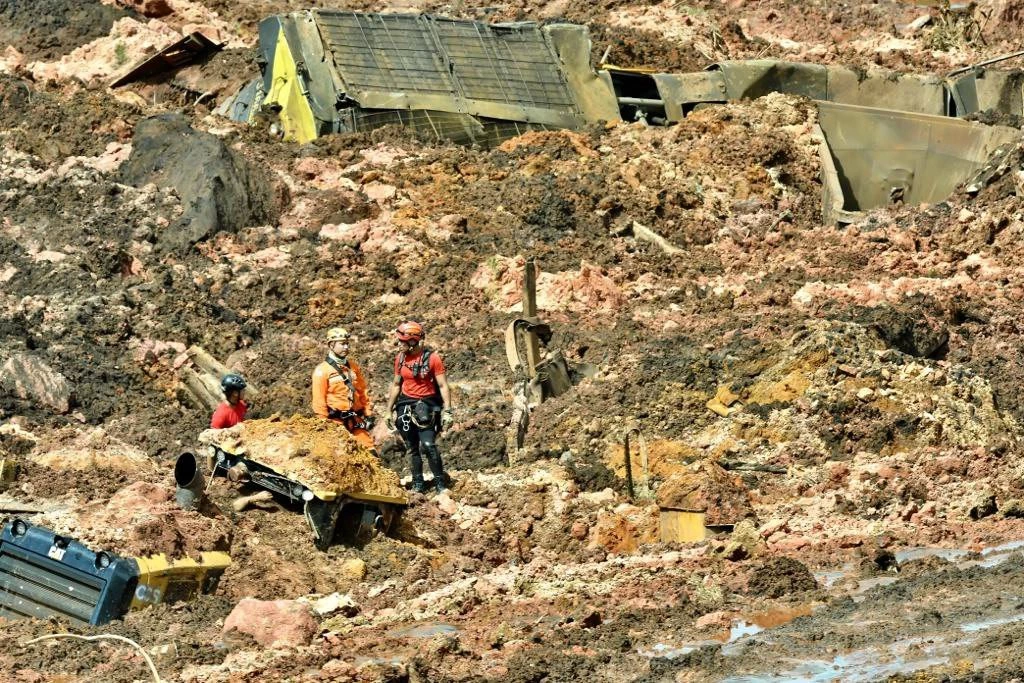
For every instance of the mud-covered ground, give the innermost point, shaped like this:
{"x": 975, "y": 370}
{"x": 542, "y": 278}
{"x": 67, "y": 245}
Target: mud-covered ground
{"x": 855, "y": 389}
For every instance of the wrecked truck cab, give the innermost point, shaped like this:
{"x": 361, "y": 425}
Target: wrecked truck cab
{"x": 47, "y": 575}
{"x": 331, "y": 71}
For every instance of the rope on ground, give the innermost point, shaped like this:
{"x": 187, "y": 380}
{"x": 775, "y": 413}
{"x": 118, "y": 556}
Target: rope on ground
{"x": 129, "y": 641}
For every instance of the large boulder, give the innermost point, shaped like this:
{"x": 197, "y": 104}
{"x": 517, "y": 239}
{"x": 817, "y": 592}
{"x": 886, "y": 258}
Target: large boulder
{"x": 218, "y": 188}
{"x": 273, "y": 623}
{"x": 29, "y": 378}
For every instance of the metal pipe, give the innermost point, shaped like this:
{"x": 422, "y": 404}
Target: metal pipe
{"x": 641, "y": 101}
{"x": 190, "y": 481}
{"x": 987, "y": 62}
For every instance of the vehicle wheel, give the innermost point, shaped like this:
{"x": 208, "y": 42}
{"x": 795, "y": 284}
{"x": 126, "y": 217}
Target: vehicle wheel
{"x": 359, "y": 523}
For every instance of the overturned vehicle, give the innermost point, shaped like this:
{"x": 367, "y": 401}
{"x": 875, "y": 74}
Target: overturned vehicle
{"x": 886, "y": 137}
{"x": 330, "y": 71}
{"x": 341, "y": 487}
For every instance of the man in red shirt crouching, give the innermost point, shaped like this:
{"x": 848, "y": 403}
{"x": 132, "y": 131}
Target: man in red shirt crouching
{"x": 232, "y": 410}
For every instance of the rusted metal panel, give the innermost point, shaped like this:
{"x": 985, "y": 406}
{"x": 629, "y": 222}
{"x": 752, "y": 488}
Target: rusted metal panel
{"x": 681, "y": 91}
{"x": 516, "y": 72}
{"x": 906, "y": 92}
{"x": 998, "y": 91}
{"x": 883, "y": 157}
{"x": 189, "y": 49}
{"x": 753, "y": 78}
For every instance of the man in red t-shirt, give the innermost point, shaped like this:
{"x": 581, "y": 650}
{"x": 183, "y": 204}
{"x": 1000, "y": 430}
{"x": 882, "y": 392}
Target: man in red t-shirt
{"x": 233, "y": 409}
{"x": 420, "y": 404}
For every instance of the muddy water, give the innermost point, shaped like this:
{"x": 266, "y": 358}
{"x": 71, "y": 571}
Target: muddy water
{"x": 968, "y": 611}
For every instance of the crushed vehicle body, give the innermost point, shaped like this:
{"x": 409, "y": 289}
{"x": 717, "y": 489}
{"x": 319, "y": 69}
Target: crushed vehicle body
{"x": 649, "y": 94}
{"x": 878, "y": 157}
{"x": 46, "y": 575}
{"x": 329, "y": 71}
{"x": 887, "y": 137}
{"x": 315, "y": 463}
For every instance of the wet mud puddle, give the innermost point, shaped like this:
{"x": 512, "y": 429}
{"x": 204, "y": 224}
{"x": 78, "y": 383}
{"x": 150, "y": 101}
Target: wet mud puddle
{"x": 875, "y": 612}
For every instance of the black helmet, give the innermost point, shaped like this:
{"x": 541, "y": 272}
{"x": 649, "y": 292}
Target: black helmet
{"x": 232, "y": 382}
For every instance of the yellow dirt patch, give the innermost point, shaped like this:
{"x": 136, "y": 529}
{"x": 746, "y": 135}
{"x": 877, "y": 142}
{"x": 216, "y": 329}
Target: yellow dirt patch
{"x": 664, "y": 457}
{"x": 793, "y": 383}
{"x": 318, "y": 453}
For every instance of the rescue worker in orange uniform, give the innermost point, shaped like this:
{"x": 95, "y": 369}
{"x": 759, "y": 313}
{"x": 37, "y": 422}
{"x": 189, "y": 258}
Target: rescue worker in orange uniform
{"x": 339, "y": 389}
{"x": 420, "y": 405}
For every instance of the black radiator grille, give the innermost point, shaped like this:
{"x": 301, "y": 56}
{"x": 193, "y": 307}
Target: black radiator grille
{"x": 35, "y": 586}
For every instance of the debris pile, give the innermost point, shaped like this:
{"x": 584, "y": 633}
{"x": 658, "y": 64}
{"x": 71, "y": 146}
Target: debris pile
{"x": 319, "y": 453}
{"x": 837, "y": 406}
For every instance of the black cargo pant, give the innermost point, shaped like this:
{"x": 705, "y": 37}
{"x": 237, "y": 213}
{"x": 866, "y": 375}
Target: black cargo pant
{"x": 419, "y": 423}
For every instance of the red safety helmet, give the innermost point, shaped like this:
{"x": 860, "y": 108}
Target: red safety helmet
{"x": 410, "y": 331}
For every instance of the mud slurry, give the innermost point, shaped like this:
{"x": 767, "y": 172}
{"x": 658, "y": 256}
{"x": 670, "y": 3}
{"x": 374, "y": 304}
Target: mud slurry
{"x": 871, "y": 373}
{"x": 49, "y": 29}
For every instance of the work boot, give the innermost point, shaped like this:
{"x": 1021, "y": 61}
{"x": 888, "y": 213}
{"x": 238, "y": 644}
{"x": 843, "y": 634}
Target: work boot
{"x": 440, "y": 485}
{"x": 416, "y": 467}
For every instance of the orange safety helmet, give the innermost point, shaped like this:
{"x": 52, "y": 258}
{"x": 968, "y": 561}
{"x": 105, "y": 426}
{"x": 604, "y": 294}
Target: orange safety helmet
{"x": 410, "y": 331}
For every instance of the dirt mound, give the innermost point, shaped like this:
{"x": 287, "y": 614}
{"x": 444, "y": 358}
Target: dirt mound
{"x": 706, "y": 487}
{"x": 221, "y": 190}
{"x": 79, "y": 123}
{"x": 319, "y": 453}
{"x": 780, "y": 576}
{"x": 46, "y": 29}
{"x": 144, "y": 519}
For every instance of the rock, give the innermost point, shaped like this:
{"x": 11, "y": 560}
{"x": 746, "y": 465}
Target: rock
{"x": 773, "y": 525}
{"x": 445, "y": 504}
{"x": 579, "y": 530}
{"x": 354, "y": 569}
{"x": 273, "y": 623}
{"x": 865, "y": 393}
{"x": 452, "y": 222}
{"x": 983, "y": 505}
{"x": 745, "y": 541}
{"x": 915, "y": 26}
{"x": 1013, "y": 508}
{"x": 29, "y": 378}
{"x": 335, "y": 602}
{"x": 719, "y": 620}
{"x": 219, "y": 189}
{"x": 148, "y": 8}
{"x": 734, "y": 552}
{"x": 590, "y": 619}
{"x": 723, "y": 402}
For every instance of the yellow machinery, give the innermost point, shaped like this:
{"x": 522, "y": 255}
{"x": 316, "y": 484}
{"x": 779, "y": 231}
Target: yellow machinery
{"x": 162, "y": 580}
{"x": 307, "y": 462}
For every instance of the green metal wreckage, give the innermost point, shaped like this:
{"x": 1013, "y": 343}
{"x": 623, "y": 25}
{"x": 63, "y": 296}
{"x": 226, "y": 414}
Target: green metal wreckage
{"x": 885, "y": 137}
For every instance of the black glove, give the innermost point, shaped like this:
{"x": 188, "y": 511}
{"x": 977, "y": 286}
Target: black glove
{"x": 368, "y": 422}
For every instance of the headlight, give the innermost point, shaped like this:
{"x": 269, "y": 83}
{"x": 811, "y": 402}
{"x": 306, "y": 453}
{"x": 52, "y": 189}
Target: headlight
{"x": 102, "y": 560}
{"x": 307, "y": 495}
